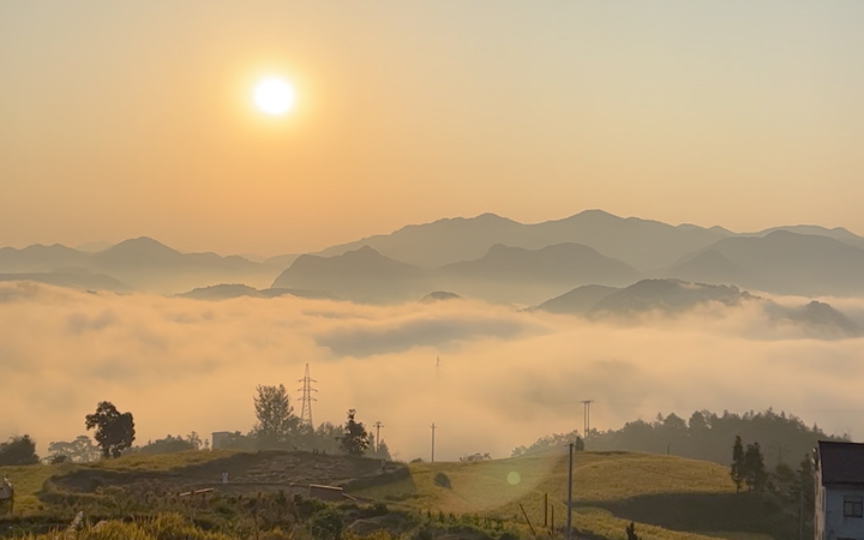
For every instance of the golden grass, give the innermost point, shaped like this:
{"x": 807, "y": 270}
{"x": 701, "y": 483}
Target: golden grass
{"x": 28, "y": 480}
{"x": 160, "y": 462}
{"x": 500, "y": 486}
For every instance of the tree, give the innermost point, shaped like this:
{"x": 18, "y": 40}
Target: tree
{"x": 277, "y": 423}
{"x": 356, "y": 439}
{"x": 579, "y": 444}
{"x": 754, "y": 468}
{"x": 80, "y": 450}
{"x": 737, "y": 470}
{"x": 382, "y": 451}
{"x": 115, "y": 431}
{"x": 18, "y": 451}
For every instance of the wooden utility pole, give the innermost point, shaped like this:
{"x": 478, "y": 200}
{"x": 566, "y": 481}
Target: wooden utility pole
{"x": 378, "y": 425}
{"x": 586, "y": 419}
{"x": 570, "y": 492}
{"x": 433, "y": 442}
{"x": 545, "y": 510}
{"x": 801, "y": 516}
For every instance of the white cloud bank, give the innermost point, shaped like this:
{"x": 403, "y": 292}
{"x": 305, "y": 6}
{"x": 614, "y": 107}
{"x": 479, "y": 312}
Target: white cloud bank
{"x": 505, "y": 377}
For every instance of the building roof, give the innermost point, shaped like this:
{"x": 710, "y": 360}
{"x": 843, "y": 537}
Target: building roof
{"x": 841, "y": 462}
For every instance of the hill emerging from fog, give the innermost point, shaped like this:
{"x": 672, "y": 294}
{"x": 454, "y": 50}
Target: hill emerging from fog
{"x": 225, "y": 291}
{"x": 363, "y": 275}
{"x": 674, "y": 296}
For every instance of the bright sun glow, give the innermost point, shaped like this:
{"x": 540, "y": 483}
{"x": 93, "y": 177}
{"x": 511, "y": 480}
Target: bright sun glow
{"x": 274, "y": 96}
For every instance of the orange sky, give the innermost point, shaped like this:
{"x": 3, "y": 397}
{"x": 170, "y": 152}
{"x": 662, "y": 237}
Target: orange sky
{"x": 137, "y": 119}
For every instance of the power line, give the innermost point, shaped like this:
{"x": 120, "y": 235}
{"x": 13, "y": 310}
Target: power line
{"x": 307, "y": 399}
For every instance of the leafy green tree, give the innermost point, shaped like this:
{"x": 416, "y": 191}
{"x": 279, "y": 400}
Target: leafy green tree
{"x": 81, "y": 450}
{"x": 754, "y": 468}
{"x": 18, "y": 451}
{"x": 115, "y": 431}
{"x": 355, "y": 440}
{"x": 738, "y": 468}
{"x": 277, "y": 424}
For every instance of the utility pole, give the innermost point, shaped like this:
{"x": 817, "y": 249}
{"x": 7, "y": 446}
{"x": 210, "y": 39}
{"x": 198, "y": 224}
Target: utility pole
{"x": 570, "y": 493}
{"x": 307, "y": 399}
{"x": 433, "y": 442}
{"x": 378, "y": 425}
{"x": 586, "y": 416}
{"x": 801, "y": 515}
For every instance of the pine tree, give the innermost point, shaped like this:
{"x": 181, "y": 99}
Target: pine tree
{"x": 737, "y": 470}
{"x": 356, "y": 439}
{"x": 754, "y": 468}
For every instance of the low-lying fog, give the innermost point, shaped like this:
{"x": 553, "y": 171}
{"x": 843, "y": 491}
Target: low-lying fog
{"x": 505, "y": 377}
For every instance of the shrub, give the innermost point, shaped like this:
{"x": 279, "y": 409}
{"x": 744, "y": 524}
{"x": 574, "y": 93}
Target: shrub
{"x": 18, "y": 451}
{"x": 442, "y": 480}
{"x": 326, "y": 524}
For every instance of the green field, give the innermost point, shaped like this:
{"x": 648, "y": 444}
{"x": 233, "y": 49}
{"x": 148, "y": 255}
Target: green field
{"x": 669, "y": 497}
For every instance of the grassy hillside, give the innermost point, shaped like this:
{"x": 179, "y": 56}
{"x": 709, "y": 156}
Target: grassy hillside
{"x": 671, "y": 498}
{"x": 609, "y": 490}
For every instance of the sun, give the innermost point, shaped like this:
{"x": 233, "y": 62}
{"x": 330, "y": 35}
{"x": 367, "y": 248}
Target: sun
{"x": 274, "y": 96}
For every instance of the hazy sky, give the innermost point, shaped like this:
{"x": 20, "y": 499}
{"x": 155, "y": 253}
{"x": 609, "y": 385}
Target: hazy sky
{"x": 121, "y": 119}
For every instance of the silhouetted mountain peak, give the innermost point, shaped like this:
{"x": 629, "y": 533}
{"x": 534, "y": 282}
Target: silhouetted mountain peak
{"x": 143, "y": 245}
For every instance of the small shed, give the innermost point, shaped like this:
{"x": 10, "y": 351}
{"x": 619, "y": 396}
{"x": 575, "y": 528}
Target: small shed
{"x": 326, "y": 493}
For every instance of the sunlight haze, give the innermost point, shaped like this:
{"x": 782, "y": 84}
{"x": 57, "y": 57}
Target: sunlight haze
{"x": 122, "y": 120}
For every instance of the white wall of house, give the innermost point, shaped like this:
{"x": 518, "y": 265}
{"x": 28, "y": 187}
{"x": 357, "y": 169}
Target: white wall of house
{"x": 832, "y": 508}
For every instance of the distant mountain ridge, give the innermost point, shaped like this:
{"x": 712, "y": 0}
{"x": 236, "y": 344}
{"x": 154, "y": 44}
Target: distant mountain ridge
{"x": 488, "y": 257}
{"x": 139, "y": 263}
{"x": 643, "y": 244}
{"x": 781, "y": 262}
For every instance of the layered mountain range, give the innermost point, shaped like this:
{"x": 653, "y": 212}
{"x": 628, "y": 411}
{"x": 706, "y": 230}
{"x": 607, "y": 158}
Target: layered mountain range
{"x": 488, "y": 257}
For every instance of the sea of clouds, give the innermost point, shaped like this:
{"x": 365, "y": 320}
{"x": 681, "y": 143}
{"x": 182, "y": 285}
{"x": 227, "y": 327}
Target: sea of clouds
{"x": 505, "y": 377}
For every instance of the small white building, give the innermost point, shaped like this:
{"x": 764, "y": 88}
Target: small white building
{"x": 839, "y": 502}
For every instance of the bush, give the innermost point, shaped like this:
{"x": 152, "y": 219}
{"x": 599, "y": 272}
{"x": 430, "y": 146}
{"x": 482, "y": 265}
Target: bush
{"x": 18, "y": 451}
{"x": 326, "y": 524}
{"x": 442, "y": 480}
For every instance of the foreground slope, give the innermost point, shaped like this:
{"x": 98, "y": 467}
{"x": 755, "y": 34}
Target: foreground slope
{"x": 609, "y": 490}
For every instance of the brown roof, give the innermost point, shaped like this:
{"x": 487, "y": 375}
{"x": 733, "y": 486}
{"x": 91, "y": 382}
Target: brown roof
{"x": 841, "y": 462}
